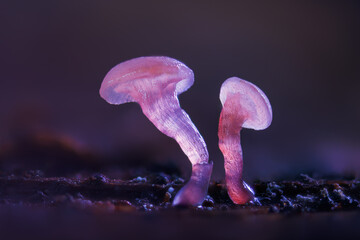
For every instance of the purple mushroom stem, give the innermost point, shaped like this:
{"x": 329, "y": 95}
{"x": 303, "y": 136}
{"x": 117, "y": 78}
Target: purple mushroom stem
{"x": 244, "y": 106}
{"x": 167, "y": 115}
{"x": 154, "y": 83}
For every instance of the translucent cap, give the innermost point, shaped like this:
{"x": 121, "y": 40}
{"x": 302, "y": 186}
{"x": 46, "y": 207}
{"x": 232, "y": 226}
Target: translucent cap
{"x": 139, "y": 78}
{"x": 250, "y": 100}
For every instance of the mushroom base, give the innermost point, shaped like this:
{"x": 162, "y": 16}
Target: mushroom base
{"x": 195, "y": 191}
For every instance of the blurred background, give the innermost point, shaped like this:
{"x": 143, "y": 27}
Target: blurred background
{"x": 304, "y": 55}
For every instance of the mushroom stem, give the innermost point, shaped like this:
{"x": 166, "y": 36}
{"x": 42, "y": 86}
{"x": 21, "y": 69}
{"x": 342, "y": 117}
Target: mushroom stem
{"x": 167, "y": 115}
{"x": 230, "y": 125}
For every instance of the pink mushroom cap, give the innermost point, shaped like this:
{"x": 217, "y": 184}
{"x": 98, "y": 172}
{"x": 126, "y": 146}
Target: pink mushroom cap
{"x": 139, "y": 78}
{"x": 249, "y": 102}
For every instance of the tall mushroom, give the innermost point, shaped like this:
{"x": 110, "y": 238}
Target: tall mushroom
{"x": 244, "y": 106}
{"x": 154, "y": 83}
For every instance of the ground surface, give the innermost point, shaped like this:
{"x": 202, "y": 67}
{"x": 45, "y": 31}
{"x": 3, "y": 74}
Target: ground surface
{"x": 97, "y": 207}
{"x": 156, "y": 191}
{"x": 64, "y": 199}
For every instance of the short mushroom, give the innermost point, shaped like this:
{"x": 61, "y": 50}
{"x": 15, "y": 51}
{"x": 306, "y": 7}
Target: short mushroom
{"x": 244, "y": 106}
{"x": 154, "y": 83}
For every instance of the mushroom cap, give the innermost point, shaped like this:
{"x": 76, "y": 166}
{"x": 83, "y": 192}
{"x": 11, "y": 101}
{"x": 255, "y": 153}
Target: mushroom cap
{"x": 248, "y": 99}
{"x": 139, "y": 78}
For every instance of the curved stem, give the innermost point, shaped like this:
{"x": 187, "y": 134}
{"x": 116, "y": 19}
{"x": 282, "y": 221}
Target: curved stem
{"x": 167, "y": 115}
{"x": 230, "y": 126}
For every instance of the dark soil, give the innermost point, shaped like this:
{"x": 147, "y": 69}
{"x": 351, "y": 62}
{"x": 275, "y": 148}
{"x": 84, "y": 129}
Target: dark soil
{"x": 63, "y": 199}
{"x": 156, "y": 191}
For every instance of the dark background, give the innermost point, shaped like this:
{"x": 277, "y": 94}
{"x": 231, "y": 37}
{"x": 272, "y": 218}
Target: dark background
{"x": 303, "y": 54}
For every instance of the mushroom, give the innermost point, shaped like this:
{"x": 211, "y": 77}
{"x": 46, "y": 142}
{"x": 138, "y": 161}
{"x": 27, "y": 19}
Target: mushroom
{"x": 154, "y": 83}
{"x": 244, "y": 106}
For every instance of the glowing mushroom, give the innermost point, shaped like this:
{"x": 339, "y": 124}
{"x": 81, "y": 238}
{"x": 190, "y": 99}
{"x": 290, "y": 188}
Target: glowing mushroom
{"x": 244, "y": 106}
{"x": 155, "y": 83}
